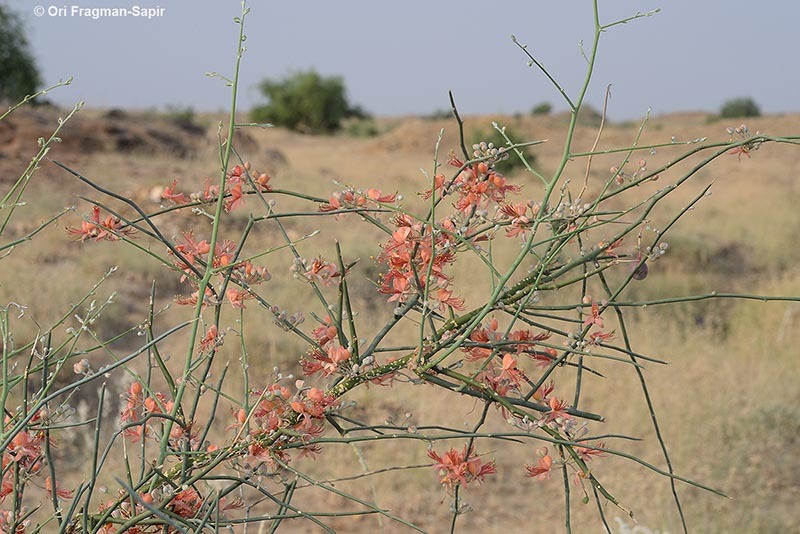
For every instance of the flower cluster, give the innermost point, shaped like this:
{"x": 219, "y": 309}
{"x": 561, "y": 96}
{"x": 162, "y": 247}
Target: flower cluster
{"x": 485, "y": 339}
{"x": 138, "y": 405}
{"x": 742, "y": 133}
{"x": 502, "y": 374}
{"x": 621, "y": 175}
{"x": 316, "y": 271}
{"x": 185, "y": 503}
{"x": 23, "y": 460}
{"x": 594, "y": 319}
{"x": 142, "y": 409}
{"x": 545, "y": 463}
{"x": 24, "y": 452}
{"x": 96, "y": 229}
{"x": 415, "y": 256}
{"x": 477, "y": 186}
{"x": 7, "y": 520}
{"x": 277, "y": 408}
{"x": 237, "y": 182}
{"x": 357, "y": 199}
{"x": 328, "y": 355}
{"x": 196, "y": 255}
{"x": 459, "y": 468}
{"x": 518, "y": 218}
{"x": 543, "y": 466}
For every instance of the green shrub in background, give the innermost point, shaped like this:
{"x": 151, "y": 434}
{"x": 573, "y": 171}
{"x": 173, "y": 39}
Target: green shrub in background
{"x": 439, "y": 114}
{"x": 357, "y": 127}
{"x": 739, "y": 107}
{"x": 589, "y": 116}
{"x": 18, "y": 76}
{"x": 543, "y": 108}
{"x": 180, "y": 114}
{"x": 513, "y": 163}
{"x": 306, "y": 102}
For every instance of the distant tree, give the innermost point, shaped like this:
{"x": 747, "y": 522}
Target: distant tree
{"x": 589, "y": 116}
{"x": 439, "y": 114}
{"x": 739, "y": 107}
{"x": 19, "y": 76}
{"x": 543, "y": 108}
{"x": 306, "y": 102}
{"x": 512, "y": 163}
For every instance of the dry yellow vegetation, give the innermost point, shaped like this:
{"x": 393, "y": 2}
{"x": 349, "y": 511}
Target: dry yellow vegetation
{"x": 728, "y": 401}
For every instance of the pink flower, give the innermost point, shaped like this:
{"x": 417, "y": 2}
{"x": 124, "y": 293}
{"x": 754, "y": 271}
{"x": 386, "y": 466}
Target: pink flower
{"x": 594, "y": 318}
{"x": 108, "y": 229}
{"x": 170, "y": 194}
{"x": 543, "y": 467}
{"x": 458, "y": 468}
{"x": 236, "y": 199}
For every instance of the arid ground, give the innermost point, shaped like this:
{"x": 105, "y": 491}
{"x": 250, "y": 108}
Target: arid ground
{"x": 728, "y": 400}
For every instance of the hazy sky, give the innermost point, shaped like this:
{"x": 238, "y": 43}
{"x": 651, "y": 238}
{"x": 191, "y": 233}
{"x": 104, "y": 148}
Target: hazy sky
{"x": 402, "y": 57}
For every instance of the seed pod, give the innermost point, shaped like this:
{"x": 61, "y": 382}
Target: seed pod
{"x": 640, "y": 272}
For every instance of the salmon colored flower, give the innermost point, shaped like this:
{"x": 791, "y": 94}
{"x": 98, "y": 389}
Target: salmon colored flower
{"x": 325, "y": 333}
{"x": 210, "y": 192}
{"x": 317, "y": 271}
{"x": 236, "y": 199}
{"x": 191, "y": 300}
{"x": 587, "y": 454}
{"x": 743, "y": 150}
{"x": 7, "y": 485}
{"x": 611, "y": 249}
{"x": 438, "y": 184}
{"x": 236, "y": 297}
{"x": 478, "y": 185}
{"x": 459, "y": 468}
{"x": 170, "y": 194}
{"x": 60, "y": 493}
{"x": 7, "y": 522}
{"x": 327, "y": 362}
{"x": 190, "y": 245}
{"x": 151, "y": 405}
{"x": 543, "y": 466}
{"x": 224, "y": 253}
{"x": 504, "y": 379}
{"x": 544, "y": 357}
{"x": 186, "y": 503}
{"x": 313, "y": 405}
{"x": 96, "y": 229}
{"x": 400, "y": 290}
{"x": 377, "y": 196}
{"x": 262, "y": 180}
{"x": 210, "y": 339}
{"x": 240, "y": 417}
{"x": 596, "y": 338}
{"x": 594, "y": 317}
{"x": 136, "y": 433}
{"x": 252, "y": 275}
{"x": 236, "y": 176}
{"x": 483, "y": 336}
{"x": 519, "y": 220}
{"x": 543, "y": 393}
{"x": 446, "y": 298}
{"x": 558, "y": 410}
{"x": 355, "y": 199}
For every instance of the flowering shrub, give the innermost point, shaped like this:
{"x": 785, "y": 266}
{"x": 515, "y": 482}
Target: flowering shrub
{"x": 197, "y": 455}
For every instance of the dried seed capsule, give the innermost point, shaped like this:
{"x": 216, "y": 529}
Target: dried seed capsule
{"x": 640, "y": 272}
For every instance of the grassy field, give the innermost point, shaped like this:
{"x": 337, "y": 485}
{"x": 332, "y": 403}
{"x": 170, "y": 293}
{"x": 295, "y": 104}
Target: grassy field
{"x": 728, "y": 401}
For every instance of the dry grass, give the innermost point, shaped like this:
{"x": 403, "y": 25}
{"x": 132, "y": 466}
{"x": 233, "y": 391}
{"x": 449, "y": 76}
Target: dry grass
{"x": 728, "y": 401}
